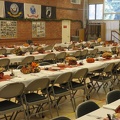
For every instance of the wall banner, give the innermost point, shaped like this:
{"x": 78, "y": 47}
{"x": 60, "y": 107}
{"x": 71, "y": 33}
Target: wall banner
{"x": 48, "y": 12}
{"x": 14, "y": 10}
{"x": 32, "y": 11}
{"x": 2, "y": 9}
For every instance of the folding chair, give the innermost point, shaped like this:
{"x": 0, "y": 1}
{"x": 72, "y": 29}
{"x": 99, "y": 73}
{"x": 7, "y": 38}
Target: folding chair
{"x": 7, "y": 105}
{"x": 85, "y": 108}
{"x": 35, "y": 101}
{"x": 57, "y": 91}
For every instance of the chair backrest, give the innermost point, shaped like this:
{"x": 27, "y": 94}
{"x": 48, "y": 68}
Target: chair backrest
{"x": 49, "y": 47}
{"x": 85, "y": 108}
{"x": 44, "y": 63}
{"x": 38, "y": 84}
{"x": 98, "y": 43}
{"x": 116, "y": 68}
{"x": 93, "y": 44}
{"x": 79, "y": 45}
{"x": 5, "y": 63}
{"x": 112, "y": 96}
{"x": 84, "y": 53}
{"x": 61, "y": 55}
{"x": 3, "y": 51}
{"x": 113, "y": 49}
{"x": 61, "y": 118}
{"x": 50, "y": 56}
{"x": 94, "y": 52}
{"x": 81, "y": 73}
{"x": 77, "y": 54}
{"x": 27, "y": 60}
{"x": 70, "y": 46}
{"x": 109, "y": 67}
{"x": 36, "y": 49}
{"x": 29, "y": 49}
{"x": 11, "y": 90}
{"x": 63, "y": 78}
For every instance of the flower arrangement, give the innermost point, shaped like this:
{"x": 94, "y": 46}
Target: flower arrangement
{"x": 10, "y": 46}
{"x": 2, "y": 69}
{"x": 18, "y": 51}
{"x": 71, "y": 60}
{"x": 1, "y": 72}
{"x": 59, "y": 48}
{"x": 99, "y": 40}
{"x": 40, "y": 49}
{"x": 31, "y": 68}
{"x": 26, "y": 44}
{"x": 115, "y": 44}
{"x": 107, "y": 55}
{"x": 36, "y": 44}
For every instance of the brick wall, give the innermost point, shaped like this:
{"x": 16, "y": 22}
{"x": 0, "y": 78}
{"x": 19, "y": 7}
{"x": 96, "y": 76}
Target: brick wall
{"x": 64, "y": 10}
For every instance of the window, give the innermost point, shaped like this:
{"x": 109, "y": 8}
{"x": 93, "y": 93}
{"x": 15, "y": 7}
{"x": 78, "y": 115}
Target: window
{"x": 95, "y": 11}
{"x": 75, "y": 1}
{"x": 112, "y": 9}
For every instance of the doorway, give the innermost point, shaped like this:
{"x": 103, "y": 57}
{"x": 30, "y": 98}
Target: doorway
{"x": 66, "y": 31}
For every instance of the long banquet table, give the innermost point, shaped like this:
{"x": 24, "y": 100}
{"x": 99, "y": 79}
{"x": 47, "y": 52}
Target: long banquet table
{"x": 14, "y": 58}
{"x": 102, "y": 112}
{"x": 52, "y": 74}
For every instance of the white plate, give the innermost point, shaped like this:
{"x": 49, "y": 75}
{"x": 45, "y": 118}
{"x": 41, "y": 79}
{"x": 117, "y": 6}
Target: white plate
{"x": 55, "y": 68}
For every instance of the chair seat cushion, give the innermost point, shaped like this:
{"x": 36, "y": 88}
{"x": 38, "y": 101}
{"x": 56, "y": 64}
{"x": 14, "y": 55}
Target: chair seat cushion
{"x": 59, "y": 90}
{"x": 75, "y": 84}
{"x": 100, "y": 78}
{"x": 5, "y": 105}
{"x": 32, "y": 97}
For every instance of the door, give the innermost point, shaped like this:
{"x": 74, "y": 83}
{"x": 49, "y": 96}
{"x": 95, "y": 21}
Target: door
{"x": 66, "y": 31}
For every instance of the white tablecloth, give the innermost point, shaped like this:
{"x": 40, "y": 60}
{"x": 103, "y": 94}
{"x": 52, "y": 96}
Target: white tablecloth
{"x": 100, "y": 113}
{"x": 102, "y": 48}
{"x": 13, "y": 58}
{"x": 26, "y": 78}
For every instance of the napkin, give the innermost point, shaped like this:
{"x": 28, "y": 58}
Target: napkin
{"x": 109, "y": 106}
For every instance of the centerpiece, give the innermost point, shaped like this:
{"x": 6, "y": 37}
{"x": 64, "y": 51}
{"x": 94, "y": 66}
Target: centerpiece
{"x": 36, "y": 44}
{"x": 107, "y": 55}
{"x": 18, "y": 51}
{"x": 40, "y": 49}
{"x": 25, "y": 44}
{"x": 61, "y": 64}
{"x": 59, "y": 48}
{"x": 90, "y": 60}
{"x": 10, "y": 46}
{"x": 71, "y": 60}
{"x": 30, "y": 68}
{"x": 1, "y": 72}
{"x": 115, "y": 44}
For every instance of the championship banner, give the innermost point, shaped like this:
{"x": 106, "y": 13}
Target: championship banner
{"x": 48, "y": 12}
{"x": 32, "y": 11}
{"x": 2, "y": 9}
{"x": 14, "y": 10}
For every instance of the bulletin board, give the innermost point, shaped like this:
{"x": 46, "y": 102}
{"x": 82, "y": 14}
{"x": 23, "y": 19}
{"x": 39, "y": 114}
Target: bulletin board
{"x": 38, "y": 29}
{"x": 8, "y": 29}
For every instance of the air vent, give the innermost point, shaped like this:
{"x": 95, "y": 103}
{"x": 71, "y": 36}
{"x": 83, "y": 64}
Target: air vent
{"x": 76, "y": 1}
